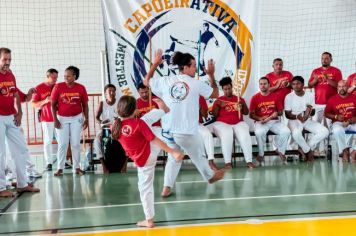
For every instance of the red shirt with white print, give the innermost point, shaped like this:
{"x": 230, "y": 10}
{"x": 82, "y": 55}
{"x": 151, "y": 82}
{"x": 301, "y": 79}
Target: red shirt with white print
{"x": 265, "y": 106}
{"x": 43, "y": 91}
{"x": 323, "y": 90}
{"x": 135, "y": 138}
{"x": 7, "y": 90}
{"x": 338, "y": 105}
{"x": 228, "y": 113}
{"x": 143, "y": 107}
{"x": 69, "y": 99}
{"x": 350, "y": 82}
{"x": 285, "y": 77}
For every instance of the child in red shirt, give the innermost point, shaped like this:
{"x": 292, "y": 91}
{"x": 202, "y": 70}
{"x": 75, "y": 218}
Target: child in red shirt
{"x": 142, "y": 146}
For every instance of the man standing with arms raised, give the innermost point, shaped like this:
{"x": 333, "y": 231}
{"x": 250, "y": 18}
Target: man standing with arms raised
{"x": 181, "y": 94}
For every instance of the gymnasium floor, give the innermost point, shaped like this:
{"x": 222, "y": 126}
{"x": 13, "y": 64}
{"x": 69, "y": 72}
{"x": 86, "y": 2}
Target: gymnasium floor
{"x": 276, "y": 199}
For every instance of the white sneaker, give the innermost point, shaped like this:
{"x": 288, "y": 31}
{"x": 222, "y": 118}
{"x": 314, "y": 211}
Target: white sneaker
{"x": 34, "y": 173}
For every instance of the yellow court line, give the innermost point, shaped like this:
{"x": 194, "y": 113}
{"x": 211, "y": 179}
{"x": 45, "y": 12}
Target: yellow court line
{"x": 295, "y": 227}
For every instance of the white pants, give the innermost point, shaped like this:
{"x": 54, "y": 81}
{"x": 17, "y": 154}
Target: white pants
{"x": 146, "y": 173}
{"x": 343, "y": 140}
{"x": 208, "y": 139}
{"x": 280, "y": 139}
{"x": 71, "y": 130}
{"x": 145, "y": 182}
{"x": 97, "y": 145}
{"x": 48, "y": 131}
{"x": 18, "y": 150}
{"x": 242, "y": 134}
{"x": 319, "y": 132}
{"x": 194, "y": 147}
{"x": 226, "y": 135}
{"x": 320, "y": 118}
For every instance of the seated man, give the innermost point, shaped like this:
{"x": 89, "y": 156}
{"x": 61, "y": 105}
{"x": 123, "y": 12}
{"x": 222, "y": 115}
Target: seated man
{"x": 265, "y": 109}
{"x": 299, "y": 108}
{"x": 228, "y": 111}
{"x": 144, "y": 105}
{"x": 341, "y": 109}
{"x": 105, "y": 116}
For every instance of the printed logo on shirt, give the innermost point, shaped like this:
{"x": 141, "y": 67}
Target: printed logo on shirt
{"x": 231, "y": 106}
{"x": 283, "y": 83}
{"x": 70, "y": 98}
{"x": 126, "y": 130}
{"x": 7, "y": 88}
{"x": 322, "y": 78}
{"x": 265, "y": 107}
{"x": 179, "y": 91}
{"x": 346, "y": 109}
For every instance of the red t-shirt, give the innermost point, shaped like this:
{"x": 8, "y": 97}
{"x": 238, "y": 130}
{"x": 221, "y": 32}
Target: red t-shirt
{"x": 350, "y": 80}
{"x": 43, "y": 91}
{"x": 22, "y": 95}
{"x": 342, "y": 106}
{"x": 323, "y": 91}
{"x": 144, "y": 106}
{"x": 135, "y": 138}
{"x": 69, "y": 99}
{"x": 282, "y": 91}
{"x": 264, "y": 106}
{"x": 229, "y": 113}
{"x": 202, "y": 105}
{"x": 7, "y": 90}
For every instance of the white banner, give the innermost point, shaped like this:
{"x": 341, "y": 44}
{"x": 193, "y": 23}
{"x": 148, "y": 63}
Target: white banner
{"x": 205, "y": 28}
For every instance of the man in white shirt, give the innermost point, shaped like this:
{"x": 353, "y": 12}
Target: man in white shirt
{"x": 299, "y": 108}
{"x": 181, "y": 94}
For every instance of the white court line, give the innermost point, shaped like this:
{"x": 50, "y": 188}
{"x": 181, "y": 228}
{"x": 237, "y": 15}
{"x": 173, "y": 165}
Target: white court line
{"x": 202, "y": 181}
{"x": 181, "y": 201}
{"x": 216, "y": 224}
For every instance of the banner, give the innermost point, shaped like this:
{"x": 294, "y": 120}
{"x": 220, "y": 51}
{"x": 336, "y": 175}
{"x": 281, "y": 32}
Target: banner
{"x": 224, "y": 31}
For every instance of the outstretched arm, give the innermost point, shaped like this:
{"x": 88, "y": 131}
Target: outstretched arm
{"x": 157, "y": 61}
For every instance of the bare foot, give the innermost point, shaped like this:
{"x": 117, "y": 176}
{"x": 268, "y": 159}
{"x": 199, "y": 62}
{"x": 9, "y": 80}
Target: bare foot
{"x": 353, "y": 156}
{"x": 28, "y": 189}
{"x": 219, "y": 174}
{"x": 250, "y": 165}
{"x": 166, "y": 192}
{"x": 281, "y": 156}
{"x": 146, "y": 223}
{"x": 346, "y": 155}
{"x": 228, "y": 166}
{"x": 6, "y": 193}
{"x": 303, "y": 156}
{"x": 58, "y": 173}
{"x": 213, "y": 165}
{"x": 259, "y": 158}
{"x": 78, "y": 171}
{"x": 310, "y": 156}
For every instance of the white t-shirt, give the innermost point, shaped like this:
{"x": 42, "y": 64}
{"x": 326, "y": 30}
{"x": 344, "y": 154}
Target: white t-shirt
{"x": 181, "y": 94}
{"x": 109, "y": 112}
{"x": 298, "y": 104}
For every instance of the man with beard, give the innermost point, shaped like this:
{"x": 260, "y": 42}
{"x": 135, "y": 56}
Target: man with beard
{"x": 341, "y": 109}
{"x": 10, "y": 121}
{"x": 324, "y": 81}
{"x": 265, "y": 109}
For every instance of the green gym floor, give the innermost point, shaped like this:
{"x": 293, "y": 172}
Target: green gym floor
{"x": 321, "y": 194}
